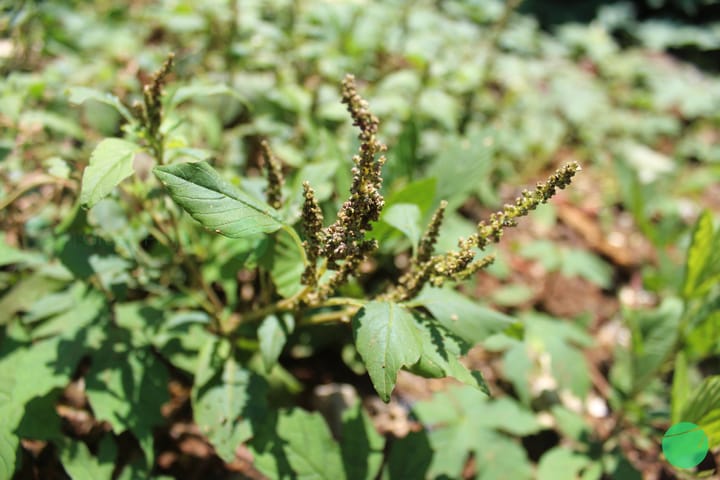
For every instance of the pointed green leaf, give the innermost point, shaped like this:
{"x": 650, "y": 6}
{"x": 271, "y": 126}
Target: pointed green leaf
{"x": 273, "y": 333}
{"x": 110, "y": 163}
{"x": 285, "y": 263}
{"x": 126, "y": 387}
{"x": 361, "y": 445}
{"x": 440, "y": 352}
{"x": 409, "y": 457}
{"x": 311, "y": 451}
{"x": 406, "y": 218}
{"x": 226, "y": 407}
{"x": 215, "y": 203}
{"x": 461, "y": 420}
{"x": 387, "y": 339}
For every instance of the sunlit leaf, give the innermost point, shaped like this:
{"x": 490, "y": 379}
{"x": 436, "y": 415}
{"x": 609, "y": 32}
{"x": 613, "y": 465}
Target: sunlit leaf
{"x": 215, "y": 203}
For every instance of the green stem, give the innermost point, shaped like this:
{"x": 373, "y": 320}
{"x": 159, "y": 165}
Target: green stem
{"x": 296, "y": 238}
{"x": 327, "y": 317}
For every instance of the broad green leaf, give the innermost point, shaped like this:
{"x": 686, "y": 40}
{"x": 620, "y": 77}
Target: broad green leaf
{"x": 406, "y": 218}
{"x": 80, "y": 464}
{"x": 680, "y": 386}
{"x": 702, "y": 269}
{"x": 440, "y": 352}
{"x": 211, "y": 359}
{"x": 310, "y": 449}
{"x": 361, "y": 445}
{"x": 227, "y": 407}
{"x": 320, "y": 176}
{"x": 40, "y": 420}
{"x": 560, "y": 463}
{"x": 466, "y": 318}
{"x": 285, "y": 263}
{"x": 420, "y": 193}
{"x": 215, "y": 203}
{"x": 273, "y": 333}
{"x": 110, "y": 163}
{"x": 181, "y": 343}
{"x": 460, "y": 420}
{"x": 409, "y": 457}
{"x": 460, "y": 168}
{"x": 387, "y": 339}
{"x": 500, "y": 457}
{"x": 25, "y": 293}
{"x": 560, "y": 341}
{"x": 50, "y": 363}
{"x": 80, "y": 95}
{"x": 126, "y": 387}
{"x": 55, "y": 303}
{"x": 509, "y": 416}
{"x": 83, "y": 313}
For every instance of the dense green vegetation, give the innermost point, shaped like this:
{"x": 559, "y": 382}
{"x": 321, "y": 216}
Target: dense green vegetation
{"x": 199, "y": 279}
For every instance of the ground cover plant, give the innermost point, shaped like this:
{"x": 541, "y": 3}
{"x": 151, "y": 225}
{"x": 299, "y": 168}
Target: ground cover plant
{"x": 216, "y": 262}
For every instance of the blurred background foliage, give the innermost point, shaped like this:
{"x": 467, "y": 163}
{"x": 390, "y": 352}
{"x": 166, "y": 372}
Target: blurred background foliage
{"x": 476, "y": 98}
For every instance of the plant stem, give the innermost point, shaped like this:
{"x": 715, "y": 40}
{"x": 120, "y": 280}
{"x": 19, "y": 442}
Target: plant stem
{"x": 296, "y": 238}
{"x": 326, "y": 317}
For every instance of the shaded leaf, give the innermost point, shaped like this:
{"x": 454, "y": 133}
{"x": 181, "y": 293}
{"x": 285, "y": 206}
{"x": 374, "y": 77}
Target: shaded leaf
{"x": 310, "y": 449}
{"x": 226, "y": 407}
{"x": 466, "y": 318}
{"x": 273, "y": 333}
{"x": 80, "y": 464}
{"x": 409, "y": 457}
{"x": 361, "y": 445}
{"x": 440, "y": 352}
{"x": 126, "y": 387}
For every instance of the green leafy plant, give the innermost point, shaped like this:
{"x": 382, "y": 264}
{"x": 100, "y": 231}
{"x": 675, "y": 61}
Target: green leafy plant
{"x": 414, "y": 323}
